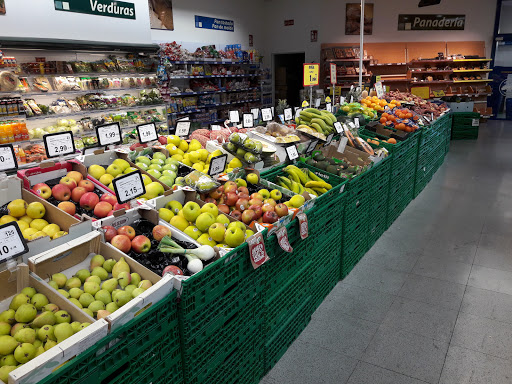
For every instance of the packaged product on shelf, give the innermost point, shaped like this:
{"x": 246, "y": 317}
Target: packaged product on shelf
{"x": 200, "y": 182}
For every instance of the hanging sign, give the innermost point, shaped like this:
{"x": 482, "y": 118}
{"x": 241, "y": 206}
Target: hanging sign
{"x": 282, "y": 239}
{"x": 311, "y": 74}
{"x": 257, "y": 252}
{"x": 438, "y": 93}
{"x": 303, "y": 225}
{"x": 59, "y": 144}
{"x": 7, "y": 158}
{"x": 423, "y": 92}
{"x": 214, "y": 23}
{"x": 431, "y": 22}
{"x": 110, "y": 8}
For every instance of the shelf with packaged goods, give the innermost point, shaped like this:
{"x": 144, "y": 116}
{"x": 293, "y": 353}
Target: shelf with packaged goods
{"x": 349, "y": 60}
{"x": 462, "y": 60}
{"x": 431, "y": 82}
{"x": 211, "y": 76}
{"x": 78, "y": 92}
{"x": 213, "y": 61}
{"x": 387, "y": 64}
{"x": 473, "y": 70}
{"x": 210, "y": 92}
{"x": 473, "y": 81}
{"x": 203, "y": 107}
{"x": 79, "y": 74}
{"x": 389, "y": 80}
{"x": 436, "y": 71}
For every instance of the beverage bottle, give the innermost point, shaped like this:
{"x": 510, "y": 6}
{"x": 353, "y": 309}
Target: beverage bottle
{"x": 17, "y": 131}
{"x": 3, "y": 136}
{"x": 24, "y": 131}
{"x": 9, "y": 133}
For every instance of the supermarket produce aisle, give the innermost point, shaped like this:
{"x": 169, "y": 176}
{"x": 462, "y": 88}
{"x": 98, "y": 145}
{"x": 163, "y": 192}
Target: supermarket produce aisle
{"x": 431, "y": 302}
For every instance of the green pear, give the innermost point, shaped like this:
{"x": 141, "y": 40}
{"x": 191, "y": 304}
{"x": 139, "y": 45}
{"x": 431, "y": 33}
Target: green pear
{"x": 60, "y": 279}
{"x": 122, "y": 298}
{"x": 111, "y": 307}
{"x": 39, "y": 350}
{"x": 115, "y": 292}
{"x": 100, "y": 272}
{"x": 96, "y": 306}
{"x": 75, "y": 293}
{"x": 91, "y": 287}
{"x": 93, "y": 279}
{"x": 53, "y": 284}
{"x": 39, "y": 301}
{"x": 8, "y": 360}
{"x": 16, "y": 327}
{"x": 37, "y": 343}
{"x": 77, "y": 326}
{"x": 124, "y": 278}
{"x": 25, "y": 313}
{"x": 88, "y": 311}
{"x": 51, "y": 308}
{"x": 130, "y": 288}
{"x": 29, "y": 291}
{"x": 46, "y": 333}
{"x": 18, "y": 300}
{"x": 76, "y": 302}
{"x": 4, "y": 372}
{"x": 24, "y": 353}
{"x": 108, "y": 265}
{"x": 104, "y": 296}
{"x": 73, "y": 282}
{"x": 96, "y": 261}
{"x": 45, "y": 318}
{"x": 64, "y": 293}
{"x": 86, "y": 299}
{"x": 7, "y": 345}
{"x": 136, "y": 279}
{"x": 84, "y": 325}
{"x": 8, "y": 316}
{"x": 109, "y": 285}
{"x": 136, "y": 292}
{"x": 25, "y": 335}
{"x": 120, "y": 266}
{"x": 49, "y": 344}
{"x": 62, "y": 317}
{"x": 83, "y": 274}
{"x": 5, "y": 328}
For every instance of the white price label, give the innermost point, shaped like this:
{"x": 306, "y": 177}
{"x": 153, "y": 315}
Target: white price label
{"x": 59, "y": 144}
{"x": 352, "y": 125}
{"x": 338, "y": 127}
{"x": 343, "y": 144}
{"x": 328, "y": 140}
{"x": 147, "y": 132}
{"x": 342, "y": 100}
{"x": 328, "y": 107}
{"x": 12, "y": 242}
{"x": 379, "y": 89}
{"x": 109, "y": 134}
{"x": 248, "y": 120}
{"x": 311, "y": 146}
{"x": 292, "y": 152}
{"x": 215, "y": 127}
{"x": 356, "y": 122}
{"x": 182, "y": 128}
{"x": 256, "y": 113}
{"x": 317, "y": 103}
{"x": 474, "y": 123}
{"x": 266, "y": 114}
{"x": 7, "y": 158}
{"x": 297, "y": 112}
{"x": 288, "y": 114}
{"x": 234, "y": 116}
{"x": 129, "y": 187}
{"x": 217, "y": 165}
{"x": 333, "y": 73}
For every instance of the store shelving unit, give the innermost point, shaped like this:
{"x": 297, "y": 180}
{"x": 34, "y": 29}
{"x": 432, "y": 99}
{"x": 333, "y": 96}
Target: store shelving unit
{"x": 347, "y": 68}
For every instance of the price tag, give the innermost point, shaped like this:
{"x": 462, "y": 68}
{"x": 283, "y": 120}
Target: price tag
{"x": 303, "y": 225}
{"x": 59, "y": 144}
{"x": 282, "y": 239}
{"x": 343, "y": 144}
{"x": 234, "y": 116}
{"x": 474, "y": 123}
{"x": 147, "y": 132}
{"x": 328, "y": 99}
{"x": 311, "y": 71}
{"x": 288, "y": 114}
{"x": 379, "y": 89}
{"x": 317, "y": 103}
{"x": 215, "y": 127}
{"x": 378, "y": 78}
{"x": 328, "y": 140}
{"x": 273, "y": 111}
{"x": 338, "y": 127}
{"x": 439, "y": 93}
{"x": 248, "y": 120}
{"x": 305, "y": 104}
{"x": 109, "y": 134}
{"x": 432, "y": 116}
{"x": 266, "y": 114}
{"x": 328, "y": 107}
{"x": 129, "y": 187}
{"x": 333, "y": 73}
{"x": 256, "y": 113}
{"x": 257, "y": 252}
{"x": 12, "y": 242}
{"x": 297, "y": 112}
{"x": 356, "y": 122}
{"x": 311, "y": 147}
{"x": 7, "y": 158}
{"x": 182, "y": 128}
{"x": 292, "y": 152}
{"x": 217, "y": 165}
{"x": 342, "y": 100}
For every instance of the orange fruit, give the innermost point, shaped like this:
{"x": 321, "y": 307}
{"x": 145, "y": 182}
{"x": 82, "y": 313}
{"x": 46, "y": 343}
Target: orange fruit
{"x": 392, "y": 141}
{"x": 383, "y": 120}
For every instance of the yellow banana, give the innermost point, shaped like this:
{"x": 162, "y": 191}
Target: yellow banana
{"x": 287, "y": 182}
{"x": 314, "y": 177}
{"x": 321, "y": 191}
{"x": 295, "y": 187}
{"x": 301, "y": 188}
{"x": 297, "y": 173}
{"x": 318, "y": 184}
{"x": 292, "y": 175}
{"x": 312, "y": 191}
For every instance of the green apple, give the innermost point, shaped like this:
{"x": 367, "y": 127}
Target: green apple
{"x": 217, "y": 232}
{"x": 157, "y": 161}
{"x": 234, "y": 237}
{"x": 171, "y": 174}
{"x": 264, "y": 193}
{"x": 123, "y": 164}
{"x": 155, "y": 173}
{"x": 241, "y": 182}
{"x": 191, "y": 211}
{"x": 165, "y": 214}
{"x": 223, "y": 219}
{"x": 143, "y": 159}
{"x": 179, "y": 222}
{"x": 193, "y": 232}
{"x": 170, "y": 160}
{"x": 142, "y": 166}
{"x": 114, "y": 170}
{"x": 276, "y": 194}
{"x": 159, "y": 155}
{"x": 205, "y": 239}
{"x": 204, "y": 220}
{"x": 237, "y": 224}
{"x": 253, "y": 179}
{"x": 106, "y": 179}
{"x": 158, "y": 167}
{"x": 169, "y": 181}
{"x": 211, "y": 208}
{"x": 153, "y": 190}
{"x": 96, "y": 171}
{"x": 130, "y": 170}
{"x": 170, "y": 167}
{"x": 146, "y": 179}
{"x": 174, "y": 206}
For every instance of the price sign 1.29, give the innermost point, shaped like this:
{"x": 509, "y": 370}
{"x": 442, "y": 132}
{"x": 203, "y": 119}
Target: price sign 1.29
{"x": 109, "y": 134}
{"x": 147, "y": 133}
{"x": 129, "y": 187}
{"x": 12, "y": 243}
{"x": 59, "y": 144}
{"x": 7, "y": 158}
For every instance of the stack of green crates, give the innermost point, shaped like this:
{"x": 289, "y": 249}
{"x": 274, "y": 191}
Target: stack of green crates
{"x": 465, "y": 125}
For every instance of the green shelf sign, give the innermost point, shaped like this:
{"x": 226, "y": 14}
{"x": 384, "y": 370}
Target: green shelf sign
{"x": 109, "y": 8}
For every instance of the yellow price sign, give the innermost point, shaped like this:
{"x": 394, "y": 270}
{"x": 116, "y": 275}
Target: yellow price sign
{"x": 305, "y": 104}
{"x": 327, "y": 99}
{"x": 439, "y": 93}
{"x": 423, "y": 92}
{"x": 311, "y": 74}
{"x": 378, "y": 78}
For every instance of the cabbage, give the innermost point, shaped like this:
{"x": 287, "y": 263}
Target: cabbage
{"x": 63, "y": 123}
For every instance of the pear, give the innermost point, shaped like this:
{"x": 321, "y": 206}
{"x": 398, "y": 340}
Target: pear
{"x": 104, "y": 296}
{"x": 83, "y": 274}
{"x": 111, "y": 307}
{"x": 136, "y": 279}
{"x": 63, "y": 331}
{"x": 51, "y": 308}
{"x": 53, "y": 284}
{"x": 37, "y": 343}
{"x": 108, "y": 265}
{"x": 96, "y": 261}
{"x": 24, "y": 353}
{"x": 64, "y": 293}
{"x": 7, "y": 345}
{"x": 102, "y": 313}
{"x": 130, "y": 288}
{"x": 16, "y": 327}
{"x": 93, "y": 279}
{"x": 73, "y": 282}
{"x": 122, "y": 298}
{"x": 84, "y": 325}
{"x": 45, "y": 318}
{"x": 29, "y": 291}
{"x": 25, "y": 313}
{"x": 136, "y": 292}
{"x": 88, "y": 311}
{"x": 76, "y": 325}
{"x": 25, "y": 335}
{"x": 115, "y": 292}
{"x": 8, "y": 360}
{"x": 49, "y": 344}
{"x": 62, "y": 317}
{"x": 8, "y": 316}
{"x": 46, "y": 333}
{"x": 60, "y": 279}
{"x": 86, "y": 299}
{"x": 75, "y": 293}
{"x": 91, "y": 287}
{"x": 120, "y": 266}
{"x": 76, "y": 302}
{"x": 109, "y": 285}
{"x": 145, "y": 284}
{"x": 100, "y": 272}
{"x": 18, "y": 301}
{"x": 96, "y": 306}
{"x": 124, "y": 279}
{"x": 5, "y": 328}
{"x": 4, "y": 372}
{"x": 39, "y": 350}
{"x": 39, "y": 301}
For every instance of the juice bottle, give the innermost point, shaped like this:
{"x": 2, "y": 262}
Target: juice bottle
{"x": 3, "y": 136}
{"x": 24, "y": 131}
{"x": 17, "y": 131}
{"x": 9, "y": 132}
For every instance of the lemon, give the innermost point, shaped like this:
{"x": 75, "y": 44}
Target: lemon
{"x": 6, "y": 219}
{"x": 26, "y": 219}
{"x": 203, "y": 153}
{"x": 59, "y": 234}
{"x": 51, "y": 229}
{"x": 235, "y": 163}
{"x": 38, "y": 224}
{"x": 23, "y": 225}
{"x": 194, "y": 145}
{"x": 297, "y": 201}
{"x": 183, "y": 146}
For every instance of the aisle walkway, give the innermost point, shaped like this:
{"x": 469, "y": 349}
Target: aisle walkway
{"x": 432, "y": 300}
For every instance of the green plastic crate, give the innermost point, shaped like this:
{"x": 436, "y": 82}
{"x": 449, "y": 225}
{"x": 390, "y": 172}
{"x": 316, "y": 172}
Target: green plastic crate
{"x": 399, "y": 198}
{"x": 353, "y": 251}
{"x": 324, "y": 283}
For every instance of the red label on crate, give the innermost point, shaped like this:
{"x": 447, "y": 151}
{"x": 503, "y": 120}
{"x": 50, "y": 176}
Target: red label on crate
{"x": 257, "y": 251}
{"x": 303, "y": 225}
{"x": 282, "y": 239}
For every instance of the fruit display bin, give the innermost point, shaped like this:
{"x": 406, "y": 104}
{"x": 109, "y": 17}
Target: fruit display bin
{"x": 397, "y": 149}
{"x": 465, "y": 126}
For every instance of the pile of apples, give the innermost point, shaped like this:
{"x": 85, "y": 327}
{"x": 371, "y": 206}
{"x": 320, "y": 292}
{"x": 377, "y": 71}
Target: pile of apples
{"x": 161, "y": 168}
{"x": 207, "y": 224}
{"x": 29, "y": 218}
{"x": 125, "y": 239}
{"x": 73, "y": 189}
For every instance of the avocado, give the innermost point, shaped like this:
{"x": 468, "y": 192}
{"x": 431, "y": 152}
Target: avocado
{"x": 311, "y": 162}
{"x": 322, "y": 165}
{"x": 331, "y": 169}
{"x": 319, "y": 157}
{"x": 331, "y": 161}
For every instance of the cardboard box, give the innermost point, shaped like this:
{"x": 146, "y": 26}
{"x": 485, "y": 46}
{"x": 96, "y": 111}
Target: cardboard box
{"x": 77, "y": 254}
{"x": 462, "y": 106}
{"x": 11, "y": 189}
{"x": 41, "y": 366}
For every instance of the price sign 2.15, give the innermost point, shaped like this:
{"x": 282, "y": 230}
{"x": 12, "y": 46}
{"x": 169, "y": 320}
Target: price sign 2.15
{"x": 12, "y": 243}
{"x": 129, "y": 187}
{"x": 147, "y": 132}
{"x": 109, "y": 134}
{"x": 59, "y": 144}
{"x": 217, "y": 165}
{"x": 7, "y": 158}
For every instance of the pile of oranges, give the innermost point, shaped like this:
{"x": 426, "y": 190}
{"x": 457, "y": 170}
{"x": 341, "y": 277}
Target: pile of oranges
{"x": 402, "y": 119}
{"x": 377, "y": 104}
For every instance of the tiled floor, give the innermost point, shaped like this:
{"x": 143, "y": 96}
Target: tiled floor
{"x": 431, "y": 302}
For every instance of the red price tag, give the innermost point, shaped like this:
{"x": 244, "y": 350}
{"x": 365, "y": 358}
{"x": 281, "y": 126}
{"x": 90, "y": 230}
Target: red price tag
{"x": 257, "y": 251}
{"x": 303, "y": 225}
{"x": 282, "y": 239}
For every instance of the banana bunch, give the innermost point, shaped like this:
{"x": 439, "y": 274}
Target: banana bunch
{"x": 301, "y": 180}
{"x": 320, "y": 120}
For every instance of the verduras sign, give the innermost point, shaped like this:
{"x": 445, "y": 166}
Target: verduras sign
{"x": 431, "y": 22}
{"x": 110, "y": 8}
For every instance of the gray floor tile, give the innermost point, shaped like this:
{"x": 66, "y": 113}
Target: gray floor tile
{"x": 490, "y": 304}
{"x": 370, "y": 374}
{"x": 422, "y": 319}
{"x": 483, "y": 335}
{"x": 356, "y": 302}
{"x": 471, "y": 367}
{"x": 433, "y": 291}
{"x": 376, "y": 277}
{"x": 450, "y": 250}
{"x": 491, "y": 279}
{"x": 442, "y": 269}
{"x": 494, "y": 252}
{"x": 406, "y": 353}
{"x": 394, "y": 259}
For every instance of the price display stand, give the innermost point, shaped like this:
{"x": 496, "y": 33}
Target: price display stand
{"x": 182, "y": 128}
{"x": 147, "y": 133}
{"x": 8, "y": 160}
{"x": 292, "y": 153}
{"x": 266, "y": 114}
{"x": 59, "y": 144}
{"x": 334, "y": 79}
{"x": 288, "y": 114}
{"x": 217, "y": 165}
{"x": 311, "y": 75}
{"x": 248, "y": 120}
{"x": 129, "y": 187}
{"x": 12, "y": 243}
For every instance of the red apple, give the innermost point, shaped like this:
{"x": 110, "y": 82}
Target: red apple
{"x": 68, "y": 182}
{"x": 162, "y": 140}
{"x": 257, "y": 202}
{"x": 270, "y": 217}
{"x": 248, "y": 216}
{"x": 160, "y": 231}
{"x": 122, "y": 242}
{"x": 87, "y": 185}
{"x": 141, "y": 244}
{"x": 75, "y": 175}
{"x": 231, "y": 199}
{"x": 111, "y": 213}
{"x": 272, "y": 202}
{"x": 118, "y": 206}
{"x": 109, "y": 198}
{"x": 257, "y": 211}
{"x": 267, "y": 208}
{"x": 217, "y": 193}
{"x": 61, "y": 192}
{"x": 89, "y": 200}
{"x": 223, "y": 208}
{"x": 77, "y": 193}
{"x": 127, "y": 231}
{"x": 230, "y": 186}
{"x": 242, "y": 204}
{"x": 243, "y": 190}
{"x": 173, "y": 270}
{"x": 244, "y": 196}
{"x": 68, "y": 207}
{"x": 102, "y": 209}
{"x": 210, "y": 200}
{"x": 237, "y": 215}
{"x": 42, "y": 190}
{"x": 109, "y": 232}
{"x": 222, "y": 200}
{"x": 281, "y": 210}
{"x": 257, "y": 196}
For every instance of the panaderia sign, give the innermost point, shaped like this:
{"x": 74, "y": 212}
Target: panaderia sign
{"x": 431, "y": 22}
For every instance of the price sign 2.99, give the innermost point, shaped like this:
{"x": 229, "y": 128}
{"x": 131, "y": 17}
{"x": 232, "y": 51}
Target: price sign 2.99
{"x": 129, "y": 187}
{"x": 59, "y": 144}
{"x": 147, "y": 133}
